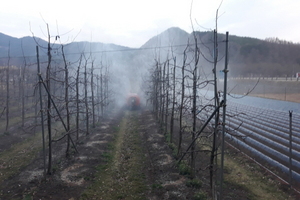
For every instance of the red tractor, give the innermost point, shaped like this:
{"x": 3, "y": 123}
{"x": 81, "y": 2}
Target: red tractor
{"x": 133, "y": 101}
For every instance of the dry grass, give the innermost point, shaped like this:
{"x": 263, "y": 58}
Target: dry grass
{"x": 247, "y": 175}
{"x": 18, "y": 156}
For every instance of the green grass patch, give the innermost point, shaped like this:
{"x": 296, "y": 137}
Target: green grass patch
{"x": 184, "y": 168}
{"x": 194, "y": 183}
{"x": 122, "y": 176}
{"x": 168, "y": 137}
{"x": 116, "y": 128}
{"x": 200, "y": 196}
{"x": 156, "y": 186}
{"x": 171, "y": 145}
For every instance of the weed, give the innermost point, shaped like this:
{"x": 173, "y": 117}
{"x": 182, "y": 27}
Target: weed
{"x": 184, "y": 169}
{"x": 120, "y": 196}
{"x": 168, "y": 137}
{"x": 174, "y": 149}
{"x": 116, "y": 128}
{"x": 194, "y": 183}
{"x": 157, "y": 186}
{"x": 172, "y": 146}
{"x": 107, "y": 156}
{"x": 101, "y": 167}
{"x": 6, "y": 133}
{"x": 27, "y": 197}
{"x": 200, "y": 196}
{"x": 85, "y": 195}
{"x": 110, "y": 146}
{"x": 54, "y": 168}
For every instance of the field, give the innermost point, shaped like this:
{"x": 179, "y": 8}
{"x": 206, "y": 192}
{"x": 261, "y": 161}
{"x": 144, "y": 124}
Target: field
{"x": 126, "y": 157}
{"x": 284, "y": 97}
{"x": 267, "y": 88}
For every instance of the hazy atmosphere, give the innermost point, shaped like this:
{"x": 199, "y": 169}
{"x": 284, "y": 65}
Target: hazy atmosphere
{"x": 140, "y": 99}
{"x": 131, "y": 23}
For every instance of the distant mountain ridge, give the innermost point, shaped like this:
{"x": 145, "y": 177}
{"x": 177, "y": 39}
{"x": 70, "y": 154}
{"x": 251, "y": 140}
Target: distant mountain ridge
{"x": 248, "y": 56}
{"x": 172, "y": 36}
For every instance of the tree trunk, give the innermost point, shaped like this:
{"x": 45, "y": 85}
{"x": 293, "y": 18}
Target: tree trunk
{"x": 102, "y": 95}
{"x": 49, "y": 106}
{"x": 214, "y": 145}
{"x": 167, "y": 101}
{"x": 156, "y": 91}
{"x": 181, "y": 104}
{"x": 77, "y": 98}
{"x": 98, "y": 98}
{"x": 23, "y": 94}
{"x": 7, "y": 90}
{"x": 86, "y": 99}
{"x": 194, "y": 108}
{"x": 160, "y": 94}
{"x": 67, "y": 100}
{"x": 163, "y": 82}
{"x": 173, "y": 101}
{"x": 92, "y": 90}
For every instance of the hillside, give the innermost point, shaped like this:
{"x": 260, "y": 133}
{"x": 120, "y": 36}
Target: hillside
{"x": 248, "y": 56}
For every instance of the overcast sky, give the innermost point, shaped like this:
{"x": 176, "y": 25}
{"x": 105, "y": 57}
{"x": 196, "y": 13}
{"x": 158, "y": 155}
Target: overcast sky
{"x": 133, "y": 22}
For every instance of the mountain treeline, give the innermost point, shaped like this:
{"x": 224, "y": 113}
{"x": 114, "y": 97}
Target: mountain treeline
{"x": 271, "y": 57}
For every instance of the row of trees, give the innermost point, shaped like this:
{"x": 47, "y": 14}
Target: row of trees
{"x": 16, "y": 85}
{"x": 176, "y": 93}
{"x": 55, "y": 94}
{"x": 83, "y": 99}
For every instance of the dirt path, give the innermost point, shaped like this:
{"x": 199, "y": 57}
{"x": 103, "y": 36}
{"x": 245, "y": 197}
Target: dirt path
{"x": 141, "y": 166}
{"x": 122, "y": 177}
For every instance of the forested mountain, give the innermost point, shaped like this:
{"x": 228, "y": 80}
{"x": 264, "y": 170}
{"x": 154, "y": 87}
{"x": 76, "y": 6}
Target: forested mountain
{"x": 270, "y": 57}
{"x": 248, "y": 56}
